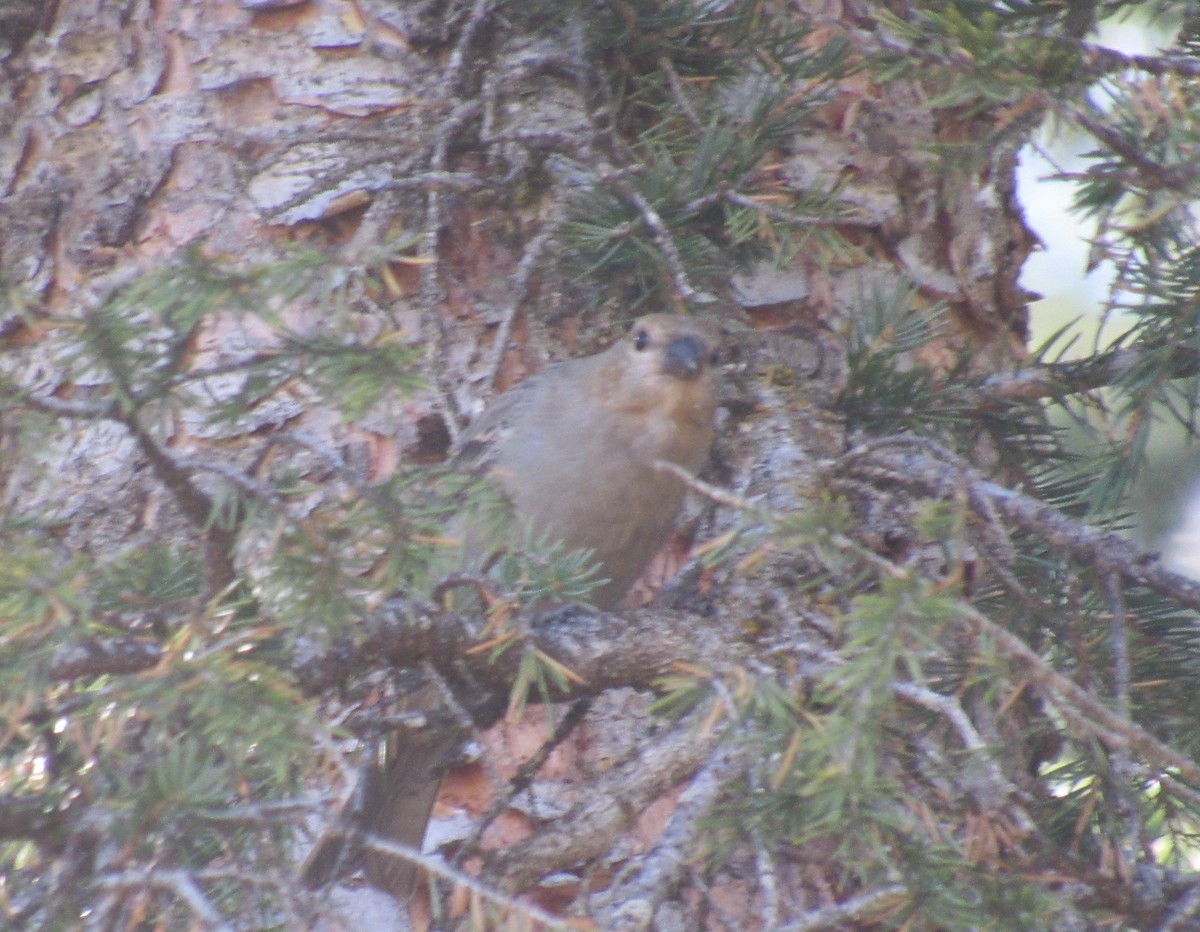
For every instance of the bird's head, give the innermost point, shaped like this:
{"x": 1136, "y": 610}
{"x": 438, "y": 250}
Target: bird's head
{"x": 666, "y": 363}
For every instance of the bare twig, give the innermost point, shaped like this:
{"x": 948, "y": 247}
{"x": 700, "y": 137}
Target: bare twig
{"x": 1188, "y": 794}
{"x": 662, "y": 236}
{"x": 267, "y": 813}
{"x": 456, "y": 67}
{"x": 181, "y": 883}
{"x": 808, "y": 220}
{"x": 860, "y": 909}
{"x": 1056, "y": 380}
{"x": 441, "y": 869}
{"x": 1170, "y": 177}
{"x": 431, "y": 288}
{"x": 59, "y": 407}
{"x": 1183, "y": 914}
{"x": 1101, "y": 60}
{"x": 520, "y": 292}
{"x": 523, "y": 777}
{"x": 709, "y": 491}
{"x": 1118, "y": 640}
{"x": 219, "y": 540}
{"x": 677, "y": 91}
{"x": 913, "y": 464}
{"x": 768, "y": 881}
{"x": 1129, "y": 829}
{"x": 1115, "y": 730}
{"x": 334, "y": 462}
{"x": 348, "y": 166}
{"x": 235, "y": 475}
{"x": 1100, "y": 549}
{"x": 999, "y": 788}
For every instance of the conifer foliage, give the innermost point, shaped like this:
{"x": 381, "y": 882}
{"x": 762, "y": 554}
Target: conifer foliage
{"x": 261, "y": 262}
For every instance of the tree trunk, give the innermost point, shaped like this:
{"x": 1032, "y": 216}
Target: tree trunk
{"x": 458, "y": 162}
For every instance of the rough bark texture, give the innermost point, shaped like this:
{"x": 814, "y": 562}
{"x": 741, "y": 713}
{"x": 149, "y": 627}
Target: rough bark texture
{"x": 442, "y": 141}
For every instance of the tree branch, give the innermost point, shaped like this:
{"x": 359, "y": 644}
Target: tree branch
{"x": 1056, "y": 380}
{"x": 104, "y": 657}
{"x": 1066, "y": 695}
{"x": 909, "y": 464}
{"x": 612, "y": 803}
{"x": 604, "y": 650}
{"x": 1100, "y": 60}
{"x": 637, "y": 899}
{"x": 869, "y": 906}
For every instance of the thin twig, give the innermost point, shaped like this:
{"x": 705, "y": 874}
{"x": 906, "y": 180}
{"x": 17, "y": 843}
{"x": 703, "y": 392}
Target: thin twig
{"x": 456, "y": 67}
{"x": 1101, "y": 549}
{"x": 1059, "y": 379}
{"x": 663, "y": 237}
{"x": 1101, "y": 60}
{"x": 520, "y": 293}
{"x": 59, "y": 407}
{"x": 1182, "y": 916}
{"x": 950, "y": 709}
{"x": 440, "y": 868}
{"x": 869, "y": 906}
{"x": 430, "y": 269}
{"x": 1090, "y": 712}
{"x": 524, "y": 777}
{"x": 768, "y": 881}
{"x": 1118, "y": 642}
{"x": 913, "y": 465}
{"x": 1171, "y": 177}
{"x": 333, "y": 461}
{"x": 677, "y": 91}
{"x": 235, "y": 475}
{"x": 709, "y": 491}
{"x": 181, "y": 883}
{"x": 808, "y": 220}
{"x": 171, "y": 471}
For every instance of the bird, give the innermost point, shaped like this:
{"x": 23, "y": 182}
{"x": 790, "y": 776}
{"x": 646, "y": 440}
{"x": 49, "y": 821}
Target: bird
{"x": 578, "y": 450}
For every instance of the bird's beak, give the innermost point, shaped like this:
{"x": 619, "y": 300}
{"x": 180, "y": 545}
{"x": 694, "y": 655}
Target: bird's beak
{"x": 684, "y": 358}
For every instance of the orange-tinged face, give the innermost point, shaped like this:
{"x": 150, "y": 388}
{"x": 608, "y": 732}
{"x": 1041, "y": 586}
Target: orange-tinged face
{"x": 667, "y": 363}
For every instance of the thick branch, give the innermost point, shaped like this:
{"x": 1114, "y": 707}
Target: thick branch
{"x": 110, "y": 656}
{"x": 638, "y": 898}
{"x": 604, "y": 650}
{"x": 613, "y": 802}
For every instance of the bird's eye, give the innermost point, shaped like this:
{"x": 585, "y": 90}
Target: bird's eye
{"x": 641, "y": 340}
{"x": 714, "y": 357}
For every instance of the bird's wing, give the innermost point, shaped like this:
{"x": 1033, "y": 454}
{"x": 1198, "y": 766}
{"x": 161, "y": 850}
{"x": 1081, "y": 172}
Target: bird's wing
{"x": 479, "y": 444}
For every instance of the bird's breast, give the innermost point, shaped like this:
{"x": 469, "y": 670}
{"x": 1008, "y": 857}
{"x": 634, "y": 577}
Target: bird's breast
{"x": 598, "y": 490}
